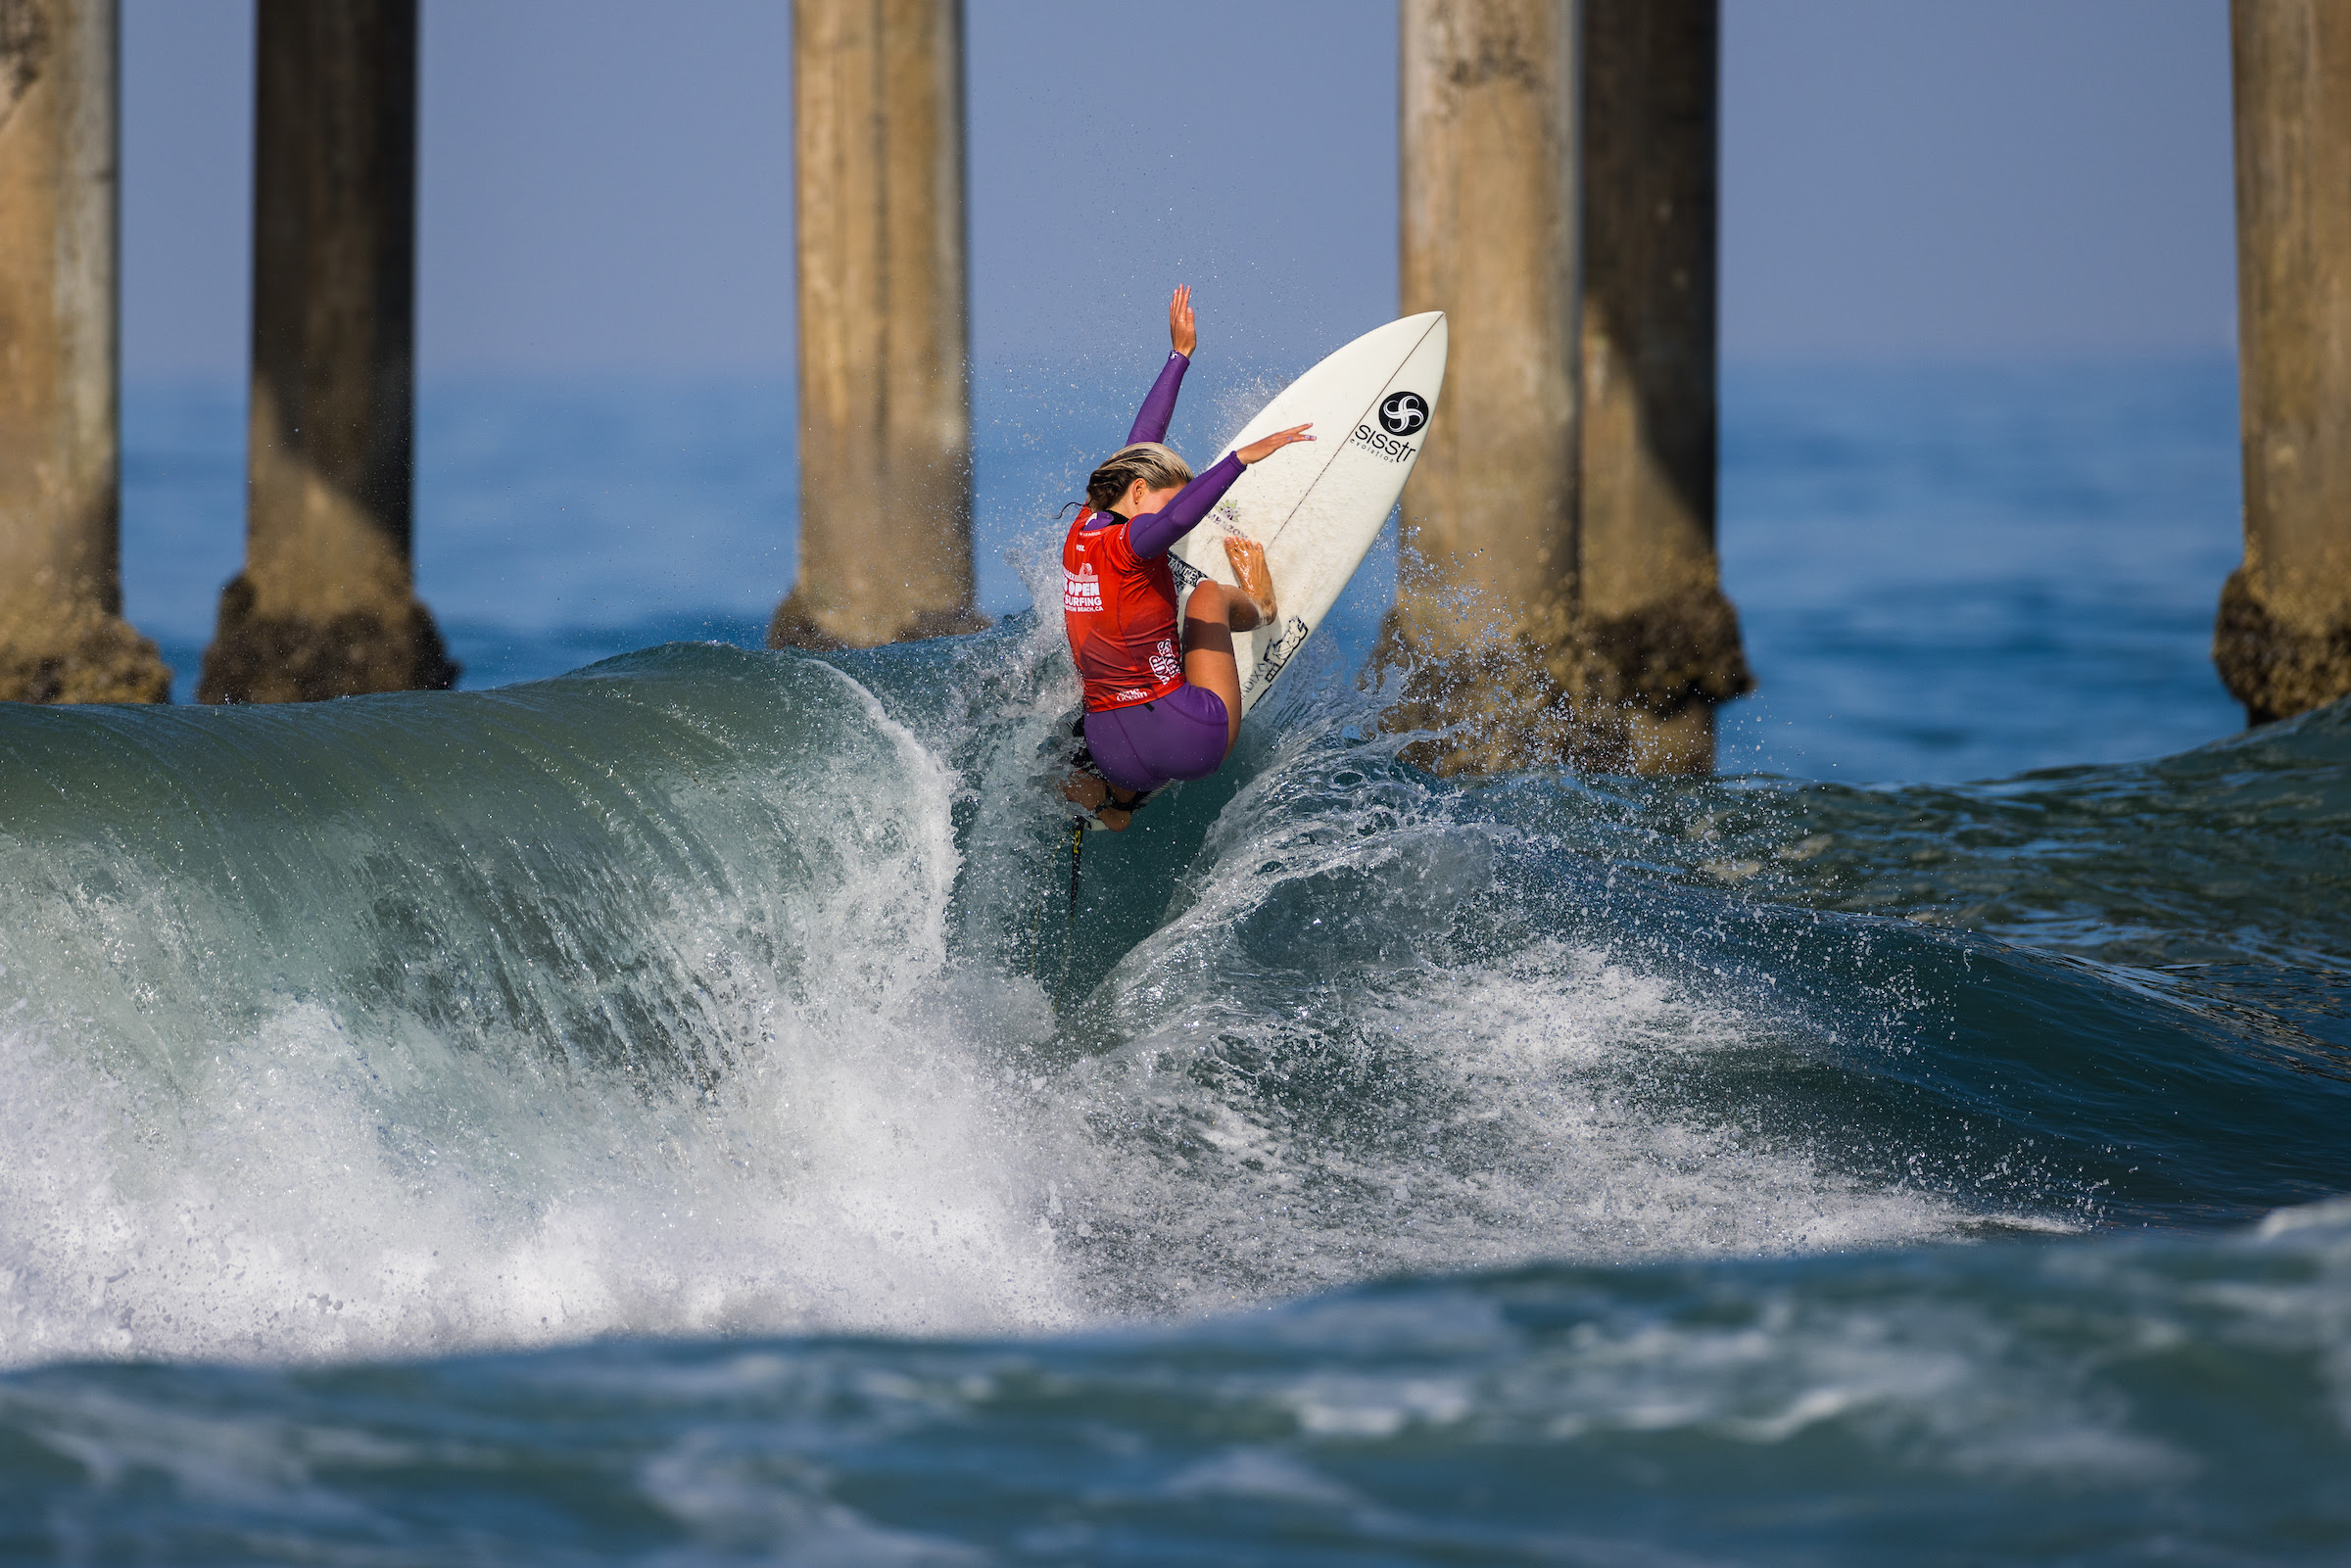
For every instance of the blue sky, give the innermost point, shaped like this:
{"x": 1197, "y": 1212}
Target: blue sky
{"x": 1904, "y": 179}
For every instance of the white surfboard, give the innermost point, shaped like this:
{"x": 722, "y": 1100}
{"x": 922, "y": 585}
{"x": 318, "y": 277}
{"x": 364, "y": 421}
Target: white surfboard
{"x": 1317, "y": 505}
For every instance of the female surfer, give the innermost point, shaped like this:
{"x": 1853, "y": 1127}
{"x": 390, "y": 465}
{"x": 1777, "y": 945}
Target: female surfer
{"x": 1151, "y": 718}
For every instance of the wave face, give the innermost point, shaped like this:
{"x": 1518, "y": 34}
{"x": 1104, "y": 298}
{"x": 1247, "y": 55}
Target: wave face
{"x": 714, "y": 994}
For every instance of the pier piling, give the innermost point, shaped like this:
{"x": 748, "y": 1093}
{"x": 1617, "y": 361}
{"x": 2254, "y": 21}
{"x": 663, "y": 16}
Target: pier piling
{"x": 1558, "y": 600}
{"x": 1485, "y": 617}
{"x": 63, "y": 637}
{"x": 2282, "y": 639}
{"x": 886, "y": 421}
{"x": 1662, "y": 639}
{"x": 326, "y": 605}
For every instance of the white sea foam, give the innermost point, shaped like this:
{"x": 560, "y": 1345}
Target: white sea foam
{"x": 1433, "y": 1121}
{"x": 849, "y": 1183}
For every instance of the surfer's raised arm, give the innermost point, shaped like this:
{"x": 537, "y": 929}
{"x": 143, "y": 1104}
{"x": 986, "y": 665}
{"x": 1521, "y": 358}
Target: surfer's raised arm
{"x": 1159, "y": 404}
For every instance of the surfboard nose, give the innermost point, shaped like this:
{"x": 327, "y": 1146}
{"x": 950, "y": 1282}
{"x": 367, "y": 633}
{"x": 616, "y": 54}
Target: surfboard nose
{"x": 1436, "y": 342}
{"x": 1428, "y": 326}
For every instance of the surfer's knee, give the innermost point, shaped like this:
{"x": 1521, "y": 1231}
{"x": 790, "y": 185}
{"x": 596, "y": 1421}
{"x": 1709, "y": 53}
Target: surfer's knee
{"x": 1210, "y": 602}
{"x": 1208, "y": 618}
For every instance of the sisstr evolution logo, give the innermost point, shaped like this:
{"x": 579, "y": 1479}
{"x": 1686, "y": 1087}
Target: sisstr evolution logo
{"x": 1401, "y": 414}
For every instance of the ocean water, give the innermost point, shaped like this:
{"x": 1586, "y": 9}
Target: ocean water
{"x": 681, "y": 1109}
{"x": 1944, "y": 574}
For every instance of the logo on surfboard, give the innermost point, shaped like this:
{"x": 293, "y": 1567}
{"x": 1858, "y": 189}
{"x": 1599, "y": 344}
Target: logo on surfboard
{"x": 1403, "y": 413}
{"x": 1292, "y": 638}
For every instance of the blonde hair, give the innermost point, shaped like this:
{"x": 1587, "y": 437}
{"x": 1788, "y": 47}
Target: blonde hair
{"x": 1157, "y": 466}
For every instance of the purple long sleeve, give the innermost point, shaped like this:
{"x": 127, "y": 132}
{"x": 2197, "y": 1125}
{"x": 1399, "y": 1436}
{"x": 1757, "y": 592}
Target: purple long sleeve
{"x": 1154, "y": 534}
{"x": 1151, "y": 419}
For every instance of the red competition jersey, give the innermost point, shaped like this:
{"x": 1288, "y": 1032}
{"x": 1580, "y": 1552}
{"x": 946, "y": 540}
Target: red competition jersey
{"x": 1120, "y": 609}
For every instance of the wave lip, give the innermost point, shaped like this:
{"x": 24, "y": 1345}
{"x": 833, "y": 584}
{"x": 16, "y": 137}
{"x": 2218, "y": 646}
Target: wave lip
{"x": 416, "y": 1024}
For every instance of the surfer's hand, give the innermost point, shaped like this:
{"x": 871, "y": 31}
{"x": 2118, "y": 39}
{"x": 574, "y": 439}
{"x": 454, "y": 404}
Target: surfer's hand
{"x": 1181, "y": 331}
{"x": 1257, "y": 452}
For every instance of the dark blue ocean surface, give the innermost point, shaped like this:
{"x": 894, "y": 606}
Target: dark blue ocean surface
{"x": 678, "y": 1112}
{"x": 1970, "y": 572}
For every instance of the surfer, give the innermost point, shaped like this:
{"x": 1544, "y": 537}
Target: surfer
{"x": 1152, "y": 715}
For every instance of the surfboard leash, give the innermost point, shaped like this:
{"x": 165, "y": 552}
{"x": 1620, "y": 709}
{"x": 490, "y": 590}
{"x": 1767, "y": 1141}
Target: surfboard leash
{"x": 1068, "y": 943}
{"x": 1036, "y": 934}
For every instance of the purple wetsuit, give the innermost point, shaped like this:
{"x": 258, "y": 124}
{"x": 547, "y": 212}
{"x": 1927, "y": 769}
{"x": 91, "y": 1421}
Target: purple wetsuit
{"x": 1183, "y": 735}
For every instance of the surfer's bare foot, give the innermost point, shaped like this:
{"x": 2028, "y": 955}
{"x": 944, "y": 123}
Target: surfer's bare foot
{"x": 1094, "y": 794}
{"x": 1248, "y": 559}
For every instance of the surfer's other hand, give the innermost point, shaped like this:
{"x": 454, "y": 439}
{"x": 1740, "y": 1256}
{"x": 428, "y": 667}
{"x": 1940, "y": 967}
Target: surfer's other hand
{"x": 1257, "y": 452}
{"x": 1181, "y": 330}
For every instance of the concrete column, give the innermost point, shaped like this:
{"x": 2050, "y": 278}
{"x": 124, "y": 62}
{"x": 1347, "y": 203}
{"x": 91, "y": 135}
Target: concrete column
{"x": 326, "y": 605}
{"x": 885, "y": 419}
{"x": 1484, "y": 617}
{"x": 1663, "y": 639}
{"x": 2283, "y": 637}
{"x": 62, "y": 633}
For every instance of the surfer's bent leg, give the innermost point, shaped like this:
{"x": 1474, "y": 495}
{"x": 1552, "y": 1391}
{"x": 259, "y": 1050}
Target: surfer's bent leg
{"x": 1213, "y": 614}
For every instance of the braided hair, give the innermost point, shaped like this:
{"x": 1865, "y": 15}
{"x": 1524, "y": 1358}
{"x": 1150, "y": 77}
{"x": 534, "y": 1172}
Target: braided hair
{"x": 1156, "y": 466}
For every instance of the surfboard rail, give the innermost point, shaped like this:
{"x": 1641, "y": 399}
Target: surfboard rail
{"x": 1318, "y": 517}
